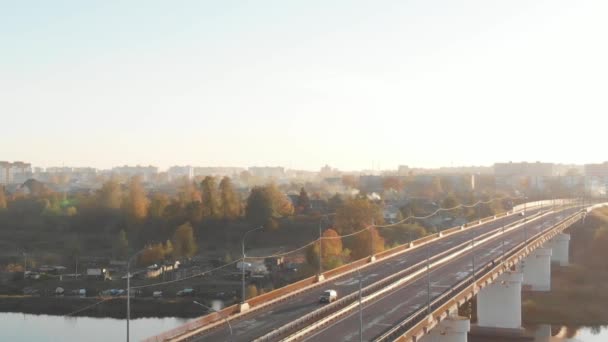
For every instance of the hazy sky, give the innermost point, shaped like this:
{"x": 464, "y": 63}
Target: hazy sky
{"x": 303, "y": 83}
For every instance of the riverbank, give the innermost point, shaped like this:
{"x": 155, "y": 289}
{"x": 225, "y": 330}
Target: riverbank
{"x": 110, "y": 307}
{"x": 579, "y": 292}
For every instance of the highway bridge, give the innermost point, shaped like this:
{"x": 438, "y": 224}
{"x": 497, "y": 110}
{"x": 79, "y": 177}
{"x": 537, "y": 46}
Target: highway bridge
{"x": 406, "y": 291}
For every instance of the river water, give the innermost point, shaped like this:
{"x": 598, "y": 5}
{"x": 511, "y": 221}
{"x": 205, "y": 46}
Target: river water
{"x": 18, "y": 327}
{"x": 543, "y": 333}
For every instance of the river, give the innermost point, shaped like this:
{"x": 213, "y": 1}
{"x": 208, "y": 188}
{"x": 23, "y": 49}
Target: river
{"x": 18, "y": 327}
{"x": 544, "y": 333}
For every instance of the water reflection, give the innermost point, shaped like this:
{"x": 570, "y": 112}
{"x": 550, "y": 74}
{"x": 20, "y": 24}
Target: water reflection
{"x": 20, "y": 327}
{"x": 548, "y": 333}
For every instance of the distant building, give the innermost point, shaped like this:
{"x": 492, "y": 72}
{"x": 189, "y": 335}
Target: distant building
{"x": 277, "y": 172}
{"x": 146, "y": 172}
{"x": 599, "y": 171}
{"x": 371, "y": 183}
{"x": 403, "y": 170}
{"x": 177, "y": 172}
{"x": 218, "y": 171}
{"x": 14, "y": 173}
{"x": 537, "y": 169}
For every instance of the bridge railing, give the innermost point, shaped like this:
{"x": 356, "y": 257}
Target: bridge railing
{"x": 214, "y": 320}
{"x": 421, "y": 321}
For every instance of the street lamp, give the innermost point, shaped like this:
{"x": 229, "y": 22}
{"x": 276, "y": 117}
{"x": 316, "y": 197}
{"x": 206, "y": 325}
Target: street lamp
{"x": 243, "y": 262}
{"x": 223, "y": 316}
{"x": 129, "y": 289}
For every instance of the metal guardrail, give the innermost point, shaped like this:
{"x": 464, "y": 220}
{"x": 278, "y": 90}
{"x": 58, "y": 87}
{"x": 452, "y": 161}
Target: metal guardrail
{"x": 351, "y": 298}
{"x": 490, "y": 269}
{"x": 213, "y": 320}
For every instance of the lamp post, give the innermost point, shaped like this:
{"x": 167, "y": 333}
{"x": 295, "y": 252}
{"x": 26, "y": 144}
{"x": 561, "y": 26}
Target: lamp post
{"x": 321, "y": 246}
{"x": 129, "y": 289}
{"x": 223, "y": 316}
{"x": 243, "y": 262}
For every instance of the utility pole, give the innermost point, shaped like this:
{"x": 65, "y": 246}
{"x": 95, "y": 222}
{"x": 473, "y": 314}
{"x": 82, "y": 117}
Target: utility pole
{"x": 428, "y": 280}
{"x": 360, "y": 311}
{"x": 320, "y": 247}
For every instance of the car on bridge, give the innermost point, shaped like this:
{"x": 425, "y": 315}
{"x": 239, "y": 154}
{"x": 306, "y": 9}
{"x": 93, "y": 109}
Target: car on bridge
{"x": 328, "y": 296}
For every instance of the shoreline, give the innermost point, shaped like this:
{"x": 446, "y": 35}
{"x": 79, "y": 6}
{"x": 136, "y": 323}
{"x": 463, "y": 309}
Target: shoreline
{"x": 113, "y": 307}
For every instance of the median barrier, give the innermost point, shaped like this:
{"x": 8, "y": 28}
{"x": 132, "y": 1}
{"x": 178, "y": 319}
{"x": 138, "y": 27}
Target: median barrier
{"x": 309, "y": 283}
{"x": 415, "y": 326}
{"x": 331, "y": 312}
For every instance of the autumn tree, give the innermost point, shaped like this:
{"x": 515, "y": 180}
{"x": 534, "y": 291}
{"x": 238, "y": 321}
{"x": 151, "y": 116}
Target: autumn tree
{"x": 137, "y": 202}
{"x": 184, "y": 244}
{"x": 334, "y": 203}
{"x": 158, "y": 204}
{"x": 210, "y": 198}
{"x": 350, "y": 181}
{"x": 266, "y": 204}
{"x": 357, "y": 214}
{"x": 403, "y": 233}
{"x": 259, "y": 207}
{"x": 110, "y": 195}
{"x": 2, "y": 198}
{"x": 332, "y": 252}
{"x": 367, "y": 243}
{"x": 392, "y": 183}
{"x": 303, "y": 201}
{"x": 152, "y": 254}
{"x": 229, "y": 199}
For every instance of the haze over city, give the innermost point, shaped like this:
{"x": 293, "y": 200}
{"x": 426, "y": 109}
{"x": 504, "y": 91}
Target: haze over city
{"x": 351, "y": 83}
{"x": 282, "y": 171}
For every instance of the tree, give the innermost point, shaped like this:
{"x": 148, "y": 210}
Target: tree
{"x": 2, "y": 198}
{"x": 334, "y": 203}
{"x": 451, "y": 202}
{"x": 151, "y": 254}
{"x": 266, "y": 204}
{"x": 332, "y": 250}
{"x": 362, "y": 246}
{"x": 350, "y": 181}
{"x": 110, "y": 195}
{"x": 121, "y": 245}
{"x": 252, "y": 291}
{"x": 137, "y": 202}
{"x": 230, "y": 202}
{"x": 392, "y": 183}
{"x": 259, "y": 207}
{"x": 210, "y": 198}
{"x": 303, "y": 201}
{"x": 158, "y": 205}
{"x": 184, "y": 244}
{"x": 404, "y": 233}
{"x": 357, "y": 214}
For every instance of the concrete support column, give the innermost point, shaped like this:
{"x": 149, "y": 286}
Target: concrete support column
{"x": 537, "y": 270}
{"x": 451, "y": 329}
{"x": 560, "y": 245}
{"x": 499, "y": 304}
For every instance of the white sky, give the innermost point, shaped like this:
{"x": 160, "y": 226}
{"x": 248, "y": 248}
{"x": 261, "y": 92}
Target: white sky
{"x": 301, "y": 84}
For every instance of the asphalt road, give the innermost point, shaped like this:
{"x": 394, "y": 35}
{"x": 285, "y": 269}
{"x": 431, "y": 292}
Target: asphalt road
{"x": 386, "y": 312}
{"x": 265, "y": 320}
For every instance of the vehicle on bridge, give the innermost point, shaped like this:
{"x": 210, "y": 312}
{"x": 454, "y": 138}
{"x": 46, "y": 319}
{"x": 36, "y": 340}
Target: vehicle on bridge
{"x": 328, "y": 296}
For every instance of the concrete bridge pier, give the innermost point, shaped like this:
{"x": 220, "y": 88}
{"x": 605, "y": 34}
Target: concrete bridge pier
{"x": 560, "y": 245}
{"x": 537, "y": 270}
{"x": 499, "y": 304}
{"x": 451, "y": 329}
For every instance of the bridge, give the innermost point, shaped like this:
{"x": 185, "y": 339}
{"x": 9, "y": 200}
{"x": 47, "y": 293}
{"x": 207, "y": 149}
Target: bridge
{"x": 411, "y": 292}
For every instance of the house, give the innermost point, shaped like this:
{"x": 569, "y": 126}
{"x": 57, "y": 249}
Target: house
{"x": 98, "y": 274}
